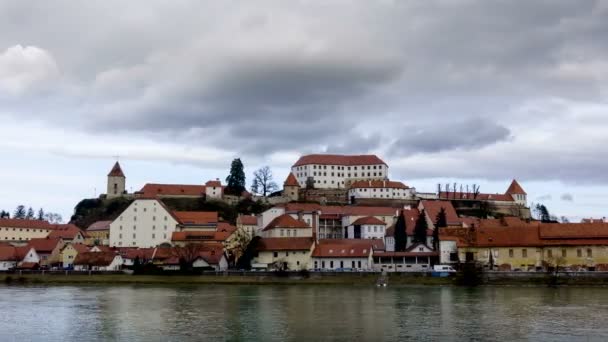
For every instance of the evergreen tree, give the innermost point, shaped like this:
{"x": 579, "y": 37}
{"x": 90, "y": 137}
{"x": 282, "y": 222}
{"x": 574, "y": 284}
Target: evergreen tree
{"x": 440, "y": 222}
{"x": 400, "y": 234}
{"x": 5, "y": 214}
{"x": 543, "y": 213}
{"x": 40, "y": 216}
{"x": 420, "y": 228}
{"x": 30, "y": 214}
{"x": 236, "y": 179}
{"x": 19, "y": 212}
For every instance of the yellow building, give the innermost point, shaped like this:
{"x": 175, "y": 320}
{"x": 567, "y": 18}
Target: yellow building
{"x": 284, "y": 253}
{"x": 69, "y": 252}
{"x": 98, "y": 233}
{"x": 16, "y": 230}
{"x": 519, "y": 245}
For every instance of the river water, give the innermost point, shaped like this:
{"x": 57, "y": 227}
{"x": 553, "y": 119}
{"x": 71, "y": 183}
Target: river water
{"x": 301, "y": 313}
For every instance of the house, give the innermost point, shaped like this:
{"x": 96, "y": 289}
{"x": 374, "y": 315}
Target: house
{"x": 417, "y": 257}
{"x": 12, "y": 257}
{"x": 351, "y": 255}
{"x": 98, "y": 233}
{"x": 70, "y": 251}
{"x": 379, "y": 189}
{"x": 49, "y": 251}
{"x": 98, "y": 261}
{"x": 515, "y": 244}
{"x": 332, "y": 171}
{"x": 21, "y": 230}
{"x": 146, "y": 222}
{"x": 214, "y": 189}
{"x": 286, "y": 226}
{"x": 196, "y": 220}
{"x": 292, "y": 253}
{"x": 410, "y": 217}
{"x": 68, "y": 233}
{"x": 214, "y": 259}
{"x": 367, "y": 227}
{"x": 248, "y": 223}
{"x": 145, "y": 255}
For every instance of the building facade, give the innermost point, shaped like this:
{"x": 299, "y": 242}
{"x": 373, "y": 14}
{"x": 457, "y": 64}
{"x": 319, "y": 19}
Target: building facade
{"x": 326, "y": 171}
{"x": 380, "y": 189}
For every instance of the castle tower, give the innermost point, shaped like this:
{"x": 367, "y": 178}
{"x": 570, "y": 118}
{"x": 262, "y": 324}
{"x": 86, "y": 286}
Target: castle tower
{"x": 116, "y": 182}
{"x": 291, "y": 188}
{"x": 518, "y": 193}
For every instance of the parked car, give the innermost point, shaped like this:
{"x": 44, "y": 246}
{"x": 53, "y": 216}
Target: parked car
{"x": 443, "y": 268}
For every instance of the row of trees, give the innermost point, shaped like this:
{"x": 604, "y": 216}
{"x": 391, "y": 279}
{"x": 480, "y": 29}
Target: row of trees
{"x": 262, "y": 184}
{"x": 420, "y": 230}
{"x": 29, "y": 214}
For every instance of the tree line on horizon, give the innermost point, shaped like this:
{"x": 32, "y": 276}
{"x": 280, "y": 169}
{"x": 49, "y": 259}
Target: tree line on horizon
{"x": 22, "y": 213}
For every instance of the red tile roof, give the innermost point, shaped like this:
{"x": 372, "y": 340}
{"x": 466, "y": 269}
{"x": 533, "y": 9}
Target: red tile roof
{"x": 515, "y": 189}
{"x": 291, "y": 180}
{"x": 247, "y": 220}
{"x": 153, "y": 190}
{"x": 573, "y": 230}
{"x": 327, "y": 249}
{"x": 8, "y": 253}
{"x": 44, "y": 245}
{"x": 99, "y": 226}
{"x": 95, "y": 258}
{"x": 410, "y": 216}
{"x": 116, "y": 171}
{"x": 65, "y": 231}
{"x": 432, "y": 209}
{"x": 286, "y": 221}
{"x": 378, "y": 184}
{"x": 338, "y": 159}
{"x": 225, "y": 227}
{"x": 368, "y": 220}
{"x": 132, "y": 253}
{"x": 80, "y": 247}
{"x": 21, "y": 252}
{"x": 214, "y": 183}
{"x": 196, "y": 217}
{"x": 217, "y": 236}
{"x": 22, "y": 223}
{"x": 285, "y": 244}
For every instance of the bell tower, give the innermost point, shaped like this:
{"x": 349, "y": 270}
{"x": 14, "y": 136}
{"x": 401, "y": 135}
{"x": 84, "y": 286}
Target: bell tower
{"x": 116, "y": 182}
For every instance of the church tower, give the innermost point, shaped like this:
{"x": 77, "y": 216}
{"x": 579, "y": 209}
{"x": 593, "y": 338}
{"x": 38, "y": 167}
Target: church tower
{"x": 291, "y": 188}
{"x": 116, "y": 182}
{"x": 518, "y": 193}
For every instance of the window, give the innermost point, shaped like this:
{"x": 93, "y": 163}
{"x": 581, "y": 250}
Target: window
{"x": 550, "y": 254}
{"x": 331, "y": 264}
{"x": 579, "y": 253}
{"x": 120, "y": 236}
{"x": 316, "y": 264}
{"x": 153, "y": 236}
{"x": 134, "y": 235}
{"x": 275, "y": 254}
{"x": 359, "y": 264}
{"x": 322, "y": 264}
{"x": 510, "y": 253}
{"x": 524, "y": 253}
{"x": 564, "y": 253}
{"x": 282, "y": 232}
{"x": 164, "y": 236}
{"x": 134, "y": 227}
{"x": 589, "y": 253}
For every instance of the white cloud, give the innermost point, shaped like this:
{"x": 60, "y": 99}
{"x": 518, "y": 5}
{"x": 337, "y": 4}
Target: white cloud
{"x": 26, "y": 68}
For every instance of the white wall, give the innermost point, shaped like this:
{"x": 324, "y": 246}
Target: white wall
{"x": 446, "y": 248}
{"x": 329, "y": 264}
{"x": 288, "y": 232}
{"x": 381, "y": 193}
{"x": 337, "y": 176}
{"x": 145, "y": 223}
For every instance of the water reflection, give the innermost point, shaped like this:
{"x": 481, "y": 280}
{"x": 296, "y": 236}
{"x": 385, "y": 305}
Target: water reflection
{"x": 302, "y": 313}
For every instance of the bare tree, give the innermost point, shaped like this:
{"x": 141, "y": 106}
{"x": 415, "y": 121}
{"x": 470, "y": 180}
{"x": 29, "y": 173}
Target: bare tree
{"x": 186, "y": 255}
{"x": 238, "y": 244}
{"x": 262, "y": 182}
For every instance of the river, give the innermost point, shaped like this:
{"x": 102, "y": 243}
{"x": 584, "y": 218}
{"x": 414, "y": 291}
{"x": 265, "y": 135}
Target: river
{"x": 301, "y": 313}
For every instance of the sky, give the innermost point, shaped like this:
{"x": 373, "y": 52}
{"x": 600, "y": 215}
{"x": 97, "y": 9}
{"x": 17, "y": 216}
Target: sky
{"x": 444, "y": 91}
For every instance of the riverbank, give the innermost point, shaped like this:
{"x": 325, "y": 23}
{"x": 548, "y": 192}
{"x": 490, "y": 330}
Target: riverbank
{"x": 521, "y": 279}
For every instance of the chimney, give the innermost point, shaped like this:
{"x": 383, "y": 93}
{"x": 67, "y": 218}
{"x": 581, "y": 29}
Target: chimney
{"x": 300, "y": 216}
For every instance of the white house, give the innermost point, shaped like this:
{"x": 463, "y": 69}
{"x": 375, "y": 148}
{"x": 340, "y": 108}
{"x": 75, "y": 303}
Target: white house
{"x": 367, "y": 227}
{"x": 331, "y": 255}
{"x": 417, "y": 257}
{"x": 11, "y": 256}
{"x": 283, "y": 253}
{"x": 332, "y": 171}
{"x": 214, "y": 189}
{"x": 145, "y": 223}
{"x": 98, "y": 261}
{"x": 379, "y": 189}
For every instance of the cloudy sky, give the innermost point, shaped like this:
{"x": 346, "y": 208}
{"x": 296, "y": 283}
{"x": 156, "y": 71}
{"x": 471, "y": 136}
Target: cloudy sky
{"x": 444, "y": 91}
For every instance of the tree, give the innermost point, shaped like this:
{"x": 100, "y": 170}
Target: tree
{"x": 236, "y": 179}
{"x": 238, "y": 244}
{"x": 187, "y": 255}
{"x": 53, "y": 218}
{"x": 542, "y": 213}
{"x": 441, "y": 221}
{"x": 244, "y": 262}
{"x": 19, "y": 212}
{"x": 40, "y": 216}
{"x": 262, "y": 182}
{"x": 420, "y": 228}
{"x": 5, "y": 214}
{"x": 310, "y": 183}
{"x": 30, "y": 214}
{"x": 400, "y": 234}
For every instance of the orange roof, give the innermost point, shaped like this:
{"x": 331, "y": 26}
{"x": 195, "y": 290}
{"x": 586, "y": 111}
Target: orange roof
{"x": 132, "y": 253}
{"x": 285, "y": 244}
{"x": 95, "y": 258}
{"x": 22, "y": 223}
{"x": 291, "y": 180}
{"x": 368, "y": 220}
{"x": 99, "y": 226}
{"x": 286, "y": 221}
{"x": 116, "y": 171}
{"x": 225, "y": 227}
{"x": 196, "y": 217}
{"x": 215, "y": 183}
{"x": 8, "y": 253}
{"x": 410, "y": 216}
{"x": 219, "y": 236}
{"x": 80, "y": 247}
{"x": 65, "y": 231}
{"x": 338, "y": 159}
{"x": 378, "y": 184}
{"x": 247, "y": 220}
{"x": 152, "y": 190}
{"x": 432, "y": 209}
{"x": 515, "y": 189}
{"x": 44, "y": 245}
{"x": 343, "y": 249}
{"x": 573, "y": 230}
{"x": 21, "y": 252}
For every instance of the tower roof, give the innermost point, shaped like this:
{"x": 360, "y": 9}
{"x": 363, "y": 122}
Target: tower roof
{"x": 291, "y": 180}
{"x": 116, "y": 171}
{"x": 515, "y": 189}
